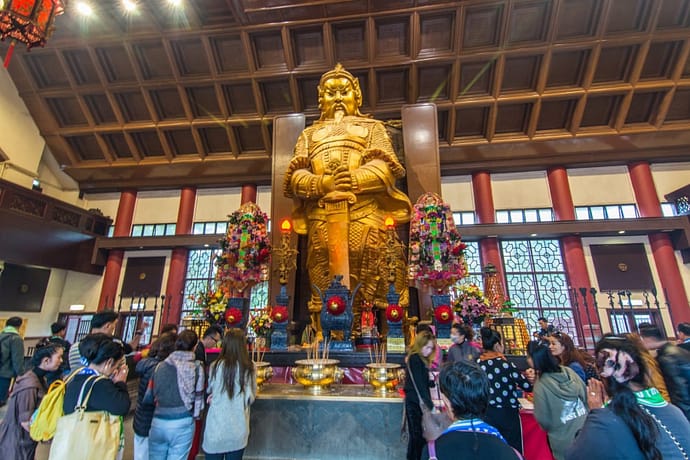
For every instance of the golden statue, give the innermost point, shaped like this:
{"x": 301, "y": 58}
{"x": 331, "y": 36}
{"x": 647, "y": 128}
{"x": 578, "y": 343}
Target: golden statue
{"x": 342, "y": 178}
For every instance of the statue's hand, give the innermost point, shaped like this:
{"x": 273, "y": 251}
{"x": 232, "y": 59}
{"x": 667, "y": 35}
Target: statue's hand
{"x": 343, "y": 179}
{"x": 327, "y": 184}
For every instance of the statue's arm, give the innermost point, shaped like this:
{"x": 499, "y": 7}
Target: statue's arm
{"x": 300, "y": 181}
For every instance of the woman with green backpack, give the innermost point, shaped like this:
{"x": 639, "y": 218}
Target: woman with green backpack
{"x": 29, "y": 389}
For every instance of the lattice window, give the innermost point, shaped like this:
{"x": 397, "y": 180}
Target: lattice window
{"x": 536, "y": 282}
{"x": 199, "y": 276}
{"x": 474, "y": 265}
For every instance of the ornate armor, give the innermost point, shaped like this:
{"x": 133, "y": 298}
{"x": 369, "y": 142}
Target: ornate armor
{"x": 342, "y": 176}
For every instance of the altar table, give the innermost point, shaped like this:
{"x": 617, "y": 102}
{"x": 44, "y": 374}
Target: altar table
{"x": 347, "y": 422}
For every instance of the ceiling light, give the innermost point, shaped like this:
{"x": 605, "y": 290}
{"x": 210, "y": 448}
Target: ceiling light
{"x": 84, "y": 8}
{"x": 533, "y": 234}
{"x": 76, "y": 307}
{"x": 620, "y": 232}
{"x": 175, "y": 2}
{"x": 129, "y": 5}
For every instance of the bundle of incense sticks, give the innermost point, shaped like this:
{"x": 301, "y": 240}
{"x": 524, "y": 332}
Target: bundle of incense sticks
{"x": 379, "y": 354}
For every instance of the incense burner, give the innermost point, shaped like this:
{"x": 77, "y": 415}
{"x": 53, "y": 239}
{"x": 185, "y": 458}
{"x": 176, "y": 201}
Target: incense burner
{"x": 264, "y": 373}
{"x": 384, "y": 377}
{"x": 317, "y": 374}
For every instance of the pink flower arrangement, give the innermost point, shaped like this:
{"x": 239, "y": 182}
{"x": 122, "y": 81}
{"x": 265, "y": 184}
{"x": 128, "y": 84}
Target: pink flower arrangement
{"x": 471, "y": 305}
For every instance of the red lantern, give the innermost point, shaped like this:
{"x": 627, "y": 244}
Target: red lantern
{"x": 443, "y": 314}
{"x": 233, "y": 316}
{"x": 28, "y": 21}
{"x": 279, "y": 314}
{"x": 335, "y": 305}
{"x": 394, "y": 313}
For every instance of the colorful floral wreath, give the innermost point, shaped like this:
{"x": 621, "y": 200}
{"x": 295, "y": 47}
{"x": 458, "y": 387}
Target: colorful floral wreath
{"x": 245, "y": 250}
{"x": 436, "y": 250}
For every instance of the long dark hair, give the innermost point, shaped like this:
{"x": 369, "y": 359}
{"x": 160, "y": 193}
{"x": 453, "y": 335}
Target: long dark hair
{"x": 623, "y": 401}
{"x": 489, "y": 338}
{"x": 235, "y": 358}
{"x": 544, "y": 361}
{"x": 45, "y": 349}
{"x": 98, "y": 348}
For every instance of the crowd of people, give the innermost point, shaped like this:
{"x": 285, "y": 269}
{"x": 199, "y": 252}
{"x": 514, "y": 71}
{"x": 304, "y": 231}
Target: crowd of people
{"x": 627, "y": 401}
{"x": 633, "y": 392}
{"x": 175, "y": 389}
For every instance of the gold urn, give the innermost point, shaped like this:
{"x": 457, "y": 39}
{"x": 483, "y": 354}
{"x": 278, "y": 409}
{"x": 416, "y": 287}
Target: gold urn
{"x": 384, "y": 377}
{"x": 317, "y": 374}
{"x": 263, "y": 371}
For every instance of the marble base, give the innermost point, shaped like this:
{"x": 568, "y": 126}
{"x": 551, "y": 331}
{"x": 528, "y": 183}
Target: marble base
{"x": 347, "y": 422}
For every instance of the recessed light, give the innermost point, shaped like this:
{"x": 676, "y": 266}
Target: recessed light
{"x": 620, "y": 232}
{"x": 206, "y": 245}
{"x": 533, "y": 234}
{"x": 129, "y": 5}
{"x": 84, "y": 8}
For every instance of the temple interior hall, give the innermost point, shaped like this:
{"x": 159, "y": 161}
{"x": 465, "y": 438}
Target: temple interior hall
{"x": 558, "y": 132}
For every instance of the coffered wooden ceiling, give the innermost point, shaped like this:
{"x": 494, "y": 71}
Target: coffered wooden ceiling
{"x": 164, "y": 98}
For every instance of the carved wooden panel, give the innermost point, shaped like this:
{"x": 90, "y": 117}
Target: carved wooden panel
{"x": 565, "y": 69}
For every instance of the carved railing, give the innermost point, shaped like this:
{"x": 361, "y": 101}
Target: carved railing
{"x": 21, "y": 201}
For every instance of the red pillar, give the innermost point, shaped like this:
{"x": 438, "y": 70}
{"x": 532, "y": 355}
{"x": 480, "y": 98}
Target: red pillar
{"x": 486, "y": 214}
{"x": 648, "y": 205}
{"x": 587, "y": 318}
{"x": 174, "y": 290}
{"x": 248, "y": 194}
{"x": 113, "y": 267}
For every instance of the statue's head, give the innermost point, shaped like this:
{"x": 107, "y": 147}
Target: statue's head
{"x": 339, "y": 91}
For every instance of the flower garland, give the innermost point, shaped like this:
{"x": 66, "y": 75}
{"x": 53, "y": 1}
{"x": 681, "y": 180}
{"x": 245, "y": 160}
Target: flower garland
{"x": 471, "y": 305}
{"x": 245, "y": 250}
{"x": 261, "y": 323}
{"x": 436, "y": 251}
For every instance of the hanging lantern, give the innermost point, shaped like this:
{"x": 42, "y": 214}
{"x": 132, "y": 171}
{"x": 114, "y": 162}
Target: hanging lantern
{"x": 28, "y": 21}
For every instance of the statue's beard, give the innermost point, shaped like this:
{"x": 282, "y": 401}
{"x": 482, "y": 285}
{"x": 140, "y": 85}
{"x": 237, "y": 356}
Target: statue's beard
{"x": 338, "y": 115}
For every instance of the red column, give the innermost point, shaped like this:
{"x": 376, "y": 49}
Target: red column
{"x": 486, "y": 214}
{"x": 113, "y": 267}
{"x": 648, "y": 205}
{"x": 248, "y": 194}
{"x": 174, "y": 290}
{"x": 587, "y": 318}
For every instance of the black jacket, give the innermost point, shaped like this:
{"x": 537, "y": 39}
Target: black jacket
{"x": 420, "y": 373}
{"x": 106, "y": 395}
{"x": 674, "y": 363}
{"x": 143, "y": 413}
